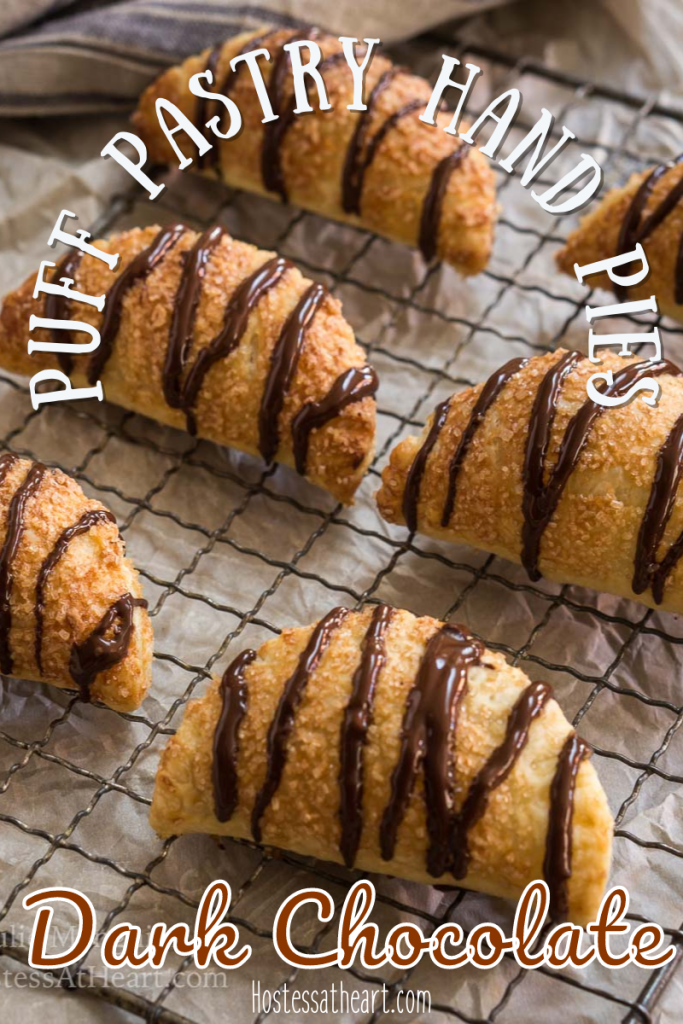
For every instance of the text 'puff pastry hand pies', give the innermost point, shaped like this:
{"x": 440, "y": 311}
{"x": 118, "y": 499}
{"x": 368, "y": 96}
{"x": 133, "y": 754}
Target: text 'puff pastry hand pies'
{"x": 528, "y": 467}
{"x": 649, "y": 210}
{"x": 71, "y": 607}
{"x": 212, "y": 334}
{"x": 393, "y": 744}
{"x": 382, "y": 169}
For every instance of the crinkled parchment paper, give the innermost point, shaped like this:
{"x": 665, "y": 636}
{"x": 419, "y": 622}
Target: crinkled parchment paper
{"x": 265, "y": 562}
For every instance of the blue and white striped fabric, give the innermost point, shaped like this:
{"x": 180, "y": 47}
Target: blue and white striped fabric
{"x": 84, "y": 56}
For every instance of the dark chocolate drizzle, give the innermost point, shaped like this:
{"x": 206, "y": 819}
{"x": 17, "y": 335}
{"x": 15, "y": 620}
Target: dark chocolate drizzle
{"x": 433, "y": 202}
{"x": 354, "y": 732}
{"x": 428, "y": 741}
{"x": 647, "y": 571}
{"x": 557, "y": 866}
{"x": 541, "y": 499}
{"x": 14, "y": 532}
{"x": 355, "y": 194}
{"x": 99, "y": 652}
{"x": 185, "y": 312}
{"x": 283, "y": 363}
{"x": 495, "y": 771}
{"x": 355, "y": 164}
{"x": 6, "y": 462}
{"x": 360, "y": 152}
{"x": 226, "y": 738}
{"x": 411, "y": 493}
{"x": 428, "y": 738}
{"x": 138, "y": 269}
{"x": 352, "y": 386}
{"x": 87, "y": 521}
{"x": 633, "y": 231}
{"x": 58, "y": 307}
{"x": 244, "y": 299}
{"x": 541, "y": 496}
{"x": 493, "y": 387}
{"x": 275, "y": 131}
{"x": 283, "y": 722}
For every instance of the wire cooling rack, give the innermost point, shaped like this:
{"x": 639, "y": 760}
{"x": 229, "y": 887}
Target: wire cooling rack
{"x": 274, "y": 552}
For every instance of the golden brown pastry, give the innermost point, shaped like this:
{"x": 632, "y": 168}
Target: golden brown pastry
{"x": 393, "y": 744}
{"x": 212, "y": 334}
{"x": 648, "y": 209}
{"x": 529, "y": 468}
{"x": 71, "y": 607}
{"x": 381, "y": 169}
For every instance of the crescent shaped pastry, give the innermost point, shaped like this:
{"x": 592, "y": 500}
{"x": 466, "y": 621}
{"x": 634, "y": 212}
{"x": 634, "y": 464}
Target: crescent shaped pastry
{"x": 209, "y": 334}
{"x": 529, "y": 468}
{"x": 394, "y": 744}
{"x": 71, "y": 607}
{"x": 381, "y": 169}
{"x": 648, "y": 209}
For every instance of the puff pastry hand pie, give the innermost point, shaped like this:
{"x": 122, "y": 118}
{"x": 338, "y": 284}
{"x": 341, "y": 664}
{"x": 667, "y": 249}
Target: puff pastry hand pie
{"x": 71, "y": 607}
{"x": 381, "y": 169}
{"x": 212, "y": 334}
{"x": 527, "y": 467}
{"x": 648, "y": 209}
{"x": 393, "y": 744}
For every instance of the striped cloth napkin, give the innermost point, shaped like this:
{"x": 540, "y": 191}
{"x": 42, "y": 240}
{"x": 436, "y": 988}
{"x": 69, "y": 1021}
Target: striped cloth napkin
{"x": 83, "y": 56}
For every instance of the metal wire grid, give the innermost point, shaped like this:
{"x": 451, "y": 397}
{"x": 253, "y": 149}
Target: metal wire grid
{"x": 605, "y": 998}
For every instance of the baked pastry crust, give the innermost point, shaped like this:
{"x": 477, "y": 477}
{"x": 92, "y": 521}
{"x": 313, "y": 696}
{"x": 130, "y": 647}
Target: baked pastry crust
{"x": 249, "y": 300}
{"x": 451, "y": 216}
{"x": 620, "y": 221}
{"x": 506, "y": 845}
{"x": 71, "y": 608}
{"x": 595, "y": 535}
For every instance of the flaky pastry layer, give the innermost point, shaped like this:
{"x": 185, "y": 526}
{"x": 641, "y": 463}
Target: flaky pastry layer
{"x": 228, "y": 403}
{"x": 593, "y": 535}
{"x": 598, "y": 238}
{"x": 37, "y": 508}
{"x": 507, "y": 845}
{"x": 314, "y": 148}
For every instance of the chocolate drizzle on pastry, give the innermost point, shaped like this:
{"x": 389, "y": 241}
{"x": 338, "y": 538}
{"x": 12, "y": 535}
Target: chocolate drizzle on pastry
{"x": 492, "y": 388}
{"x": 543, "y": 489}
{"x": 108, "y": 643}
{"x": 495, "y": 771}
{"x": 352, "y": 386}
{"x": 226, "y": 737}
{"x": 428, "y": 739}
{"x": 557, "y": 866}
{"x": 541, "y": 499}
{"x": 411, "y": 493}
{"x": 6, "y": 462}
{"x": 94, "y": 517}
{"x": 354, "y": 731}
{"x": 634, "y": 229}
{"x": 106, "y": 646}
{"x": 355, "y": 163}
{"x": 275, "y": 131}
{"x": 433, "y": 202}
{"x": 647, "y": 571}
{"x": 57, "y": 307}
{"x": 361, "y": 150}
{"x": 243, "y": 301}
{"x": 14, "y": 531}
{"x": 283, "y": 363}
{"x": 184, "y": 313}
{"x": 183, "y": 376}
{"x": 283, "y": 722}
{"x": 428, "y": 743}
{"x": 137, "y": 270}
